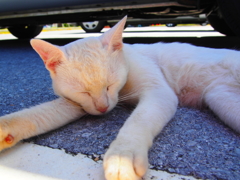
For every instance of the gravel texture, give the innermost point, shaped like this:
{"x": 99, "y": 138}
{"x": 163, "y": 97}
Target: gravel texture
{"x": 194, "y": 143}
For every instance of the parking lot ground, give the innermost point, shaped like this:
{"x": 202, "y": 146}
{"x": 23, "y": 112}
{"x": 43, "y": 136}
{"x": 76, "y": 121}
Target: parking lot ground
{"x": 194, "y": 143}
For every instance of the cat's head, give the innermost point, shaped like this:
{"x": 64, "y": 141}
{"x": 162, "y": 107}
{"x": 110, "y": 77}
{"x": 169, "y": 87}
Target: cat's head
{"x": 89, "y": 71}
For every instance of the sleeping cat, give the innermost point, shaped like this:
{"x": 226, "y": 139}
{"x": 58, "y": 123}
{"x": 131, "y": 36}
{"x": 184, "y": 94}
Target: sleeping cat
{"x": 92, "y": 75}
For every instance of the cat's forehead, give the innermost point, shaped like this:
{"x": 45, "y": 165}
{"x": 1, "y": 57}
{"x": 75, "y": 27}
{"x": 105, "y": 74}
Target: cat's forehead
{"x": 88, "y": 52}
{"x": 88, "y": 56}
{"x": 89, "y": 63}
{"x": 84, "y": 45}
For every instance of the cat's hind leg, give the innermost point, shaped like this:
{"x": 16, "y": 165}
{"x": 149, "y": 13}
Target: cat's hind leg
{"x": 36, "y": 120}
{"x": 224, "y": 101}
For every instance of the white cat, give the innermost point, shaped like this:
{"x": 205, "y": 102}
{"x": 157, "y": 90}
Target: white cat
{"x": 92, "y": 75}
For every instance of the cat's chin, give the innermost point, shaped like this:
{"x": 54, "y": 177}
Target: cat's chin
{"x": 97, "y": 113}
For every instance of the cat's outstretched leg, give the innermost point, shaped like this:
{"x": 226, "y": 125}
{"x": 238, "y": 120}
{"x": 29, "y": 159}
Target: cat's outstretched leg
{"x": 127, "y": 157}
{"x": 224, "y": 100}
{"x": 36, "y": 120}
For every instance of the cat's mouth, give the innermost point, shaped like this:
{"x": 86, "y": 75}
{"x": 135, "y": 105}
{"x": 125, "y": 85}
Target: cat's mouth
{"x": 99, "y": 111}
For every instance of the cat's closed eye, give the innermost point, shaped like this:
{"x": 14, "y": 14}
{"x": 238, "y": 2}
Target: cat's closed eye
{"x": 109, "y": 87}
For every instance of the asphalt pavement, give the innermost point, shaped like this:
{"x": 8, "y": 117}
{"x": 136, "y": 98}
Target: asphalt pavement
{"x": 194, "y": 143}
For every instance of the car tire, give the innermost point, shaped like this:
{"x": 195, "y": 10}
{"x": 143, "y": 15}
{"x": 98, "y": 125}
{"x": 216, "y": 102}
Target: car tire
{"x": 220, "y": 25}
{"x": 25, "y": 32}
{"x": 94, "y": 26}
{"x": 171, "y": 24}
{"x": 230, "y": 10}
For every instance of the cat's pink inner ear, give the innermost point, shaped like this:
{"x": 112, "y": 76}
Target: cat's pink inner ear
{"x": 41, "y": 47}
{"x": 113, "y": 37}
{"x": 50, "y": 54}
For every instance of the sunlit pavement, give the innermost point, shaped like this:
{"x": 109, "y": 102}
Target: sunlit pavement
{"x": 155, "y": 31}
{"x": 29, "y": 161}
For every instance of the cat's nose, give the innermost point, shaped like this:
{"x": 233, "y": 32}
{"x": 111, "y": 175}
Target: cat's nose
{"x": 102, "y": 109}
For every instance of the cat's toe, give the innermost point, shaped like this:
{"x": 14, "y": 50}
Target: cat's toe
{"x": 120, "y": 168}
{"x": 124, "y": 165}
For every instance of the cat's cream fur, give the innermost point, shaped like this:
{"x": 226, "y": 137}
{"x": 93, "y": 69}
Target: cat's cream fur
{"x": 92, "y": 75}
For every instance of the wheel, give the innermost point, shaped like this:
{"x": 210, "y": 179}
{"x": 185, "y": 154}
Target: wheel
{"x": 230, "y": 10}
{"x": 220, "y": 25}
{"x": 25, "y": 32}
{"x": 171, "y": 24}
{"x": 204, "y": 23}
{"x": 94, "y": 26}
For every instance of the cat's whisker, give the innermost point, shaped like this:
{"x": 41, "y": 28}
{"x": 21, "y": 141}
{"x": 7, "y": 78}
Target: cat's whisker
{"x": 128, "y": 96}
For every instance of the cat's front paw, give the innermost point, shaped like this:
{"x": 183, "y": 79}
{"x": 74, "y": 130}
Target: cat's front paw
{"x": 124, "y": 161}
{"x": 7, "y": 139}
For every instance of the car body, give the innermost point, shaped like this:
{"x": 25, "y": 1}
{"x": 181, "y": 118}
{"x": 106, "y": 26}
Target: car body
{"x": 25, "y": 18}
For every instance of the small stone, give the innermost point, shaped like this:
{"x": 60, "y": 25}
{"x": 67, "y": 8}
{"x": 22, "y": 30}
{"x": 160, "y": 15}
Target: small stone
{"x": 96, "y": 159}
{"x": 86, "y": 134}
{"x": 191, "y": 143}
{"x": 171, "y": 170}
{"x": 191, "y": 131}
{"x": 54, "y": 146}
{"x": 21, "y": 104}
{"x": 151, "y": 166}
{"x": 99, "y": 152}
{"x": 102, "y": 156}
{"x": 237, "y": 151}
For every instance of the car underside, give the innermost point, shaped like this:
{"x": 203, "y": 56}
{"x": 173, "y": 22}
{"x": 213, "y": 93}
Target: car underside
{"x": 35, "y": 14}
{"x": 103, "y": 11}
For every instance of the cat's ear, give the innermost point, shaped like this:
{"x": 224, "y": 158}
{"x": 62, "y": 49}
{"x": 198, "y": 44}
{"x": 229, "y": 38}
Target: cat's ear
{"x": 51, "y": 55}
{"x": 113, "y": 37}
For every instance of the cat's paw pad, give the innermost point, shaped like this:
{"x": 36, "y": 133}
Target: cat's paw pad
{"x": 125, "y": 164}
{"x": 6, "y": 139}
{"x": 9, "y": 139}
